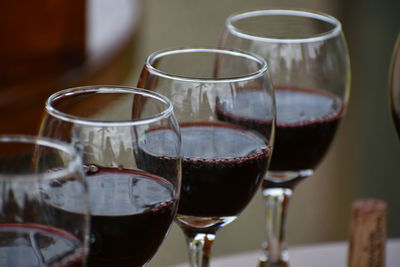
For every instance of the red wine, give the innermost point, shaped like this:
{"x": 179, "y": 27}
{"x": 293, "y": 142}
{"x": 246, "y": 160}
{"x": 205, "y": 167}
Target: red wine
{"x": 131, "y": 212}
{"x": 396, "y": 119}
{"x": 33, "y": 245}
{"x": 223, "y": 166}
{"x": 306, "y": 124}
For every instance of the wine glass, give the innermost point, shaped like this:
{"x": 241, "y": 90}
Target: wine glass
{"x": 394, "y": 85}
{"x": 307, "y": 54}
{"x": 223, "y": 163}
{"x": 35, "y": 229}
{"x": 130, "y": 144}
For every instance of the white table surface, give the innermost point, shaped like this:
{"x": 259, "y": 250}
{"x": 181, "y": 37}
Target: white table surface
{"x": 324, "y": 254}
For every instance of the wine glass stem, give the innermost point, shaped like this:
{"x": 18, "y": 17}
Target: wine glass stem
{"x": 199, "y": 245}
{"x": 274, "y": 252}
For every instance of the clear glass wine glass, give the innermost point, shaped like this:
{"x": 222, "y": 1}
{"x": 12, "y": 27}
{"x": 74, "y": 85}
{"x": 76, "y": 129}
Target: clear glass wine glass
{"x": 223, "y": 163}
{"x": 130, "y": 144}
{"x": 394, "y": 85}
{"x": 310, "y": 70}
{"x": 35, "y": 230}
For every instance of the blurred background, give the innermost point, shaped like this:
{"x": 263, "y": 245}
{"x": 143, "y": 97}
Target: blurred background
{"x": 49, "y": 45}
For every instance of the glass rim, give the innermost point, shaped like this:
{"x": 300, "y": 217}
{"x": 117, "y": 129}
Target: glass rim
{"x": 73, "y": 165}
{"x": 218, "y": 50}
{"x": 337, "y": 27}
{"x": 108, "y": 89}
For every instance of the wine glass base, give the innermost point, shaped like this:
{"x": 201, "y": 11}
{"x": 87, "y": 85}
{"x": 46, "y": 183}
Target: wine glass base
{"x": 266, "y": 261}
{"x": 280, "y": 263}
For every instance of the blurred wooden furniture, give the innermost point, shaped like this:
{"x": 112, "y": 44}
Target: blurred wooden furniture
{"x": 49, "y": 45}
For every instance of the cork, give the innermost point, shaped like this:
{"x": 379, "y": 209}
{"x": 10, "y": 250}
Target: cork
{"x": 367, "y": 239}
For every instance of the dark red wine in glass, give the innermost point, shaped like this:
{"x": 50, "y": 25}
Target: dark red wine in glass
{"x": 27, "y": 245}
{"x": 132, "y": 205}
{"x": 31, "y": 235}
{"x": 394, "y": 85}
{"x": 307, "y": 121}
{"x": 131, "y": 212}
{"x": 223, "y": 164}
{"x": 228, "y": 175}
{"x": 310, "y": 68}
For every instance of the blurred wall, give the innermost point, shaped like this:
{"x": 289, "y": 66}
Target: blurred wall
{"x": 372, "y": 144}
